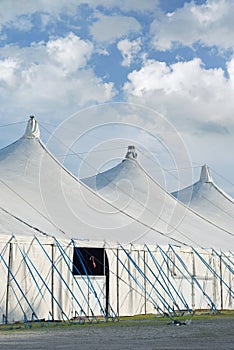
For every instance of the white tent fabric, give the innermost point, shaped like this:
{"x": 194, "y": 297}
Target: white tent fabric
{"x": 47, "y": 216}
{"x": 132, "y": 190}
{"x": 12, "y": 225}
{"x": 37, "y": 189}
{"x": 39, "y": 284}
{"x": 210, "y": 201}
{"x": 199, "y": 294}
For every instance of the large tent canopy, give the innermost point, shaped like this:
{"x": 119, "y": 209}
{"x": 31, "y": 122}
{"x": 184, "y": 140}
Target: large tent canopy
{"x": 129, "y": 205}
{"x": 113, "y": 244}
{"x": 36, "y": 189}
{"x": 210, "y": 201}
{"x": 130, "y": 188}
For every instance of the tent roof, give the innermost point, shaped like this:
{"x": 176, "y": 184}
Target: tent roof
{"x": 36, "y": 188}
{"x": 210, "y": 201}
{"x": 129, "y": 187}
{"x": 10, "y": 224}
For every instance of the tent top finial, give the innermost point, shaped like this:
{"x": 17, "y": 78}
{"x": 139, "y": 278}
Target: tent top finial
{"x": 131, "y": 153}
{"x": 205, "y": 174}
{"x": 32, "y": 130}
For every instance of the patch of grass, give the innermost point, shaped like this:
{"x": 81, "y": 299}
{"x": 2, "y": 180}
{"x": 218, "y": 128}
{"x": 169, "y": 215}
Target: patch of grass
{"x": 196, "y": 315}
{"x": 149, "y": 319}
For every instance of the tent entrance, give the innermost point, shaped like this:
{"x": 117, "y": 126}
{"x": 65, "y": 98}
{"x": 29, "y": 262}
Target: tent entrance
{"x": 91, "y": 272}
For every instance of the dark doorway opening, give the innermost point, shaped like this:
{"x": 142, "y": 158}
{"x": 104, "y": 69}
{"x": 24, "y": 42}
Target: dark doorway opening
{"x": 92, "y": 262}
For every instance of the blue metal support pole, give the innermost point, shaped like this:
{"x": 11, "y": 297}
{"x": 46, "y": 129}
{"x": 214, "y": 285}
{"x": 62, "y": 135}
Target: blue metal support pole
{"x": 162, "y": 300}
{"x": 164, "y": 276}
{"x": 212, "y": 304}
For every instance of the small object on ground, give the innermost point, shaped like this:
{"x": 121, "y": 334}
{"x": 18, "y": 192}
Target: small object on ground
{"x": 180, "y": 323}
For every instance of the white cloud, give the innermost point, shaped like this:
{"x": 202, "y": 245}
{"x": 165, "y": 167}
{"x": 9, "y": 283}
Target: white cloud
{"x": 8, "y": 67}
{"x": 70, "y": 52}
{"x": 129, "y": 50}
{"x": 126, "y": 5}
{"x": 110, "y": 28}
{"x": 22, "y": 23}
{"x": 49, "y": 78}
{"x": 11, "y": 9}
{"x": 197, "y": 98}
{"x": 210, "y": 23}
{"x": 197, "y": 101}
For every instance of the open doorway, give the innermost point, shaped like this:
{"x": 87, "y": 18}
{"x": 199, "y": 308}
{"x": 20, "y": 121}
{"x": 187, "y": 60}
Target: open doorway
{"x": 90, "y": 262}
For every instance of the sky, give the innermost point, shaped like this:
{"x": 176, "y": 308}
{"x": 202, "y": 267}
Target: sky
{"x": 101, "y": 75}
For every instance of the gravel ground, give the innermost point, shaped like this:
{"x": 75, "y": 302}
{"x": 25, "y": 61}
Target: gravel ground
{"x": 213, "y": 333}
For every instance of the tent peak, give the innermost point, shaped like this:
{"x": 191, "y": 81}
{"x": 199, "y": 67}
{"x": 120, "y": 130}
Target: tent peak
{"x": 32, "y": 130}
{"x": 131, "y": 153}
{"x": 205, "y": 174}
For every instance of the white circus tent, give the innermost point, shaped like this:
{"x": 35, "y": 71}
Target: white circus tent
{"x": 209, "y": 200}
{"x": 68, "y": 252}
{"x": 129, "y": 187}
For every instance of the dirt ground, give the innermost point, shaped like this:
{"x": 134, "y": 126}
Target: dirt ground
{"x": 211, "y": 333}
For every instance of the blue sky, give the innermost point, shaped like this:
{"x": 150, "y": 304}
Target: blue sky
{"x": 171, "y": 58}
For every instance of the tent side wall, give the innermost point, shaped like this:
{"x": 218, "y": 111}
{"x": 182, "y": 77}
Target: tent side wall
{"x": 162, "y": 280}
{"x": 27, "y": 274}
{"x": 39, "y": 282}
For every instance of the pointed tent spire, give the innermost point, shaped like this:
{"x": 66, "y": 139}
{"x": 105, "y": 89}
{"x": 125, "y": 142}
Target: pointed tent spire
{"x": 131, "y": 153}
{"x": 32, "y": 130}
{"x": 205, "y": 174}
